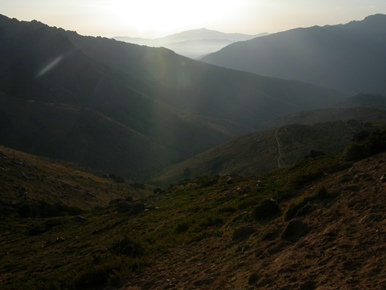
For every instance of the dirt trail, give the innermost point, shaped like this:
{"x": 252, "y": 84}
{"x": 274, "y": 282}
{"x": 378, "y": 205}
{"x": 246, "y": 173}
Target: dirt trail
{"x": 279, "y": 165}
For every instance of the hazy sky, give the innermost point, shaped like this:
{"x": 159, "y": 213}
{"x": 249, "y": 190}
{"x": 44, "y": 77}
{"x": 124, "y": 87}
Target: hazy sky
{"x": 155, "y": 18}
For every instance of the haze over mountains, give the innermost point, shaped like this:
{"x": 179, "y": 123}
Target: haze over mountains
{"x": 189, "y": 175}
{"x": 176, "y": 106}
{"x": 192, "y": 43}
{"x": 349, "y": 57}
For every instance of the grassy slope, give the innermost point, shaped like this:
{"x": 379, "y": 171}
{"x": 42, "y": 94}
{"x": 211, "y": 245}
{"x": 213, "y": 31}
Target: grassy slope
{"x": 108, "y": 247}
{"x": 258, "y": 152}
{"x": 29, "y": 179}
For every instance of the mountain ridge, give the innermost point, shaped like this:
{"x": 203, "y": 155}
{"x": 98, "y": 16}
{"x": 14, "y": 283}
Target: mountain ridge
{"x": 347, "y": 57}
{"x": 192, "y": 43}
{"x": 155, "y": 92}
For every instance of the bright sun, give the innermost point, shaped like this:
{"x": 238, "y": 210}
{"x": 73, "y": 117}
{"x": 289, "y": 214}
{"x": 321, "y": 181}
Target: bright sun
{"x": 158, "y": 17}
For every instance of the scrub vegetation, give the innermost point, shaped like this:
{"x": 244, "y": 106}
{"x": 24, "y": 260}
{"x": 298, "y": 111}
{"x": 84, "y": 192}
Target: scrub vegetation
{"x": 78, "y": 237}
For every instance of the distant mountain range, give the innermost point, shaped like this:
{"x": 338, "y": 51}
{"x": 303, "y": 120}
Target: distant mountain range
{"x": 192, "y": 43}
{"x": 350, "y": 57}
{"x": 125, "y": 108}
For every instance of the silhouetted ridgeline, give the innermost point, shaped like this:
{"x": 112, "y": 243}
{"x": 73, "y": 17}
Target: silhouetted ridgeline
{"x": 350, "y": 57}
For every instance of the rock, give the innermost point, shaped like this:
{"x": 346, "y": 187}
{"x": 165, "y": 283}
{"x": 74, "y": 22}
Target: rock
{"x": 60, "y": 240}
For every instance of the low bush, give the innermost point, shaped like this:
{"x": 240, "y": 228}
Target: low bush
{"x": 43, "y": 227}
{"x": 265, "y": 208}
{"x": 269, "y": 234}
{"x": 295, "y": 206}
{"x": 253, "y": 278}
{"x": 306, "y": 177}
{"x": 127, "y": 247}
{"x": 374, "y": 144}
{"x": 182, "y": 227}
{"x": 294, "y": 230}
{"x": 116, "y": 178}
{"x": 44, "y": 209}
{"x": 242, "y": 233}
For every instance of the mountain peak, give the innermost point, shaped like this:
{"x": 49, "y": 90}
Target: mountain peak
{"x": 376, "y": 19}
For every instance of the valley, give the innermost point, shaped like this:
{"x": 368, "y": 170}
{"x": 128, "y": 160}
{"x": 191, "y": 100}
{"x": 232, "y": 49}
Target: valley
{"x": 192, "y": 43}
{"x": 261, "y": 166}
{"x": 167, "y": 107}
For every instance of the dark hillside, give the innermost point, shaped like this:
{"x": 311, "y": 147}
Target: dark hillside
{"x": 37, "y": 183}
{"x": 348, "y": 57}
{"x": 80, "y": 135}
{"x": 209, "y": 91}
{"x": 365, "y": 100}
{"x": 184, "y": 106}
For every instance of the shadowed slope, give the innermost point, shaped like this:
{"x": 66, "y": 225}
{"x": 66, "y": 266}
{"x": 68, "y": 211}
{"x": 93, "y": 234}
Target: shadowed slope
{"x": 180, "y": 104}
{"x": 348, "y": 57}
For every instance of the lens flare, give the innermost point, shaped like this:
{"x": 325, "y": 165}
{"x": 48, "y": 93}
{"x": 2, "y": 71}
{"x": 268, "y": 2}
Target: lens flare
{"x": 50, "y": 66}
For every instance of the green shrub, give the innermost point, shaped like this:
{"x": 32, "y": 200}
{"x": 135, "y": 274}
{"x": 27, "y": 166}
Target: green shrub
{"x": 182, "y": 227}
{"x": 43, "y": 227}
{"x": 354, "y": 152}
{"x": 374, "y": 144}
{"x": 116, "y": 178}
{"x": 321, "y": 192}
{"x": 227, "y": 209}
{"x": 242, "y": 233}
{"x": 93, "y": 276}
{"x": 294, "y": 230}
{"x": 306, "y": 177}
{"x": 269, "y": 234}
{"x": 127, "y": 247}
{"x": 253, "y": 278}
{"x": 44, "y": 209}
{"x": 295, "y": 206}
{"x": 138, "y": 185}
{"x": 213, "y": 221}
{"x": 265, "y": 208}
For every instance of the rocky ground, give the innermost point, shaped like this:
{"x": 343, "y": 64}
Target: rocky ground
{"x": 336, "y": 243}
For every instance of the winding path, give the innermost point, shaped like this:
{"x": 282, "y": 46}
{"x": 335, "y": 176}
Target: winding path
{"x": 279, "y": 165}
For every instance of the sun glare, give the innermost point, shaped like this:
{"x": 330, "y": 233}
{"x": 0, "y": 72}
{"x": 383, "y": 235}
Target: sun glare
{"x": 168, "y": 16}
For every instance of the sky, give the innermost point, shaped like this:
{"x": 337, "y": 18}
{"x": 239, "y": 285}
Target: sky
{"x": 157, "y": 18}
